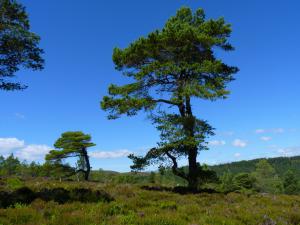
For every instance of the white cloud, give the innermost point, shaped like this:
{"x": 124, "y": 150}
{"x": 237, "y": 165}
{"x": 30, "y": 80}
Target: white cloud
{"x": 265, "y": 138}
{"x": 216, "y": 143}
{"x": 33, "y": 152}
{"x": 110, "y": 154}
{"x": 237, "y": 155}
{"x": 9, "y": 144}
{"x": 291, "y": 151}
{"x": 260, "y": 131}
{"x": 274, "y": 130}
{"x": 239, "y": 143}
{"x": 21, "y": 150}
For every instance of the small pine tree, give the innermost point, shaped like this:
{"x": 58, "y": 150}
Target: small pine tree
{"x": 11, "y": 165}
{"x": 2, "y": 161}
{"x": 266, "y": 179}
{"x": 152, "y": 178}
{"x": 227, "y": 182}
{"x": 243, "y": 181}
{"x": 34, "y": 169}
{"x": 290, "y": 183}
{"x": 73, "y": 144}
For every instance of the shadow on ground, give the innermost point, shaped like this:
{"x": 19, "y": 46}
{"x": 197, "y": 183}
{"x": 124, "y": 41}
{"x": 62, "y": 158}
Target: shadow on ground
{"x": 179, "y": 190}
{"x": 25, "y": 195}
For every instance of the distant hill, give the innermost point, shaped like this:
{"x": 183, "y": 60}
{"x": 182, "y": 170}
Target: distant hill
{"x": 281, "y": 165}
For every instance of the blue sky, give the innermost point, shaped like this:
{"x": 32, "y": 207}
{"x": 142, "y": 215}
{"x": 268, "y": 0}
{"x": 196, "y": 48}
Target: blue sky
{"x": 260, "y": 118}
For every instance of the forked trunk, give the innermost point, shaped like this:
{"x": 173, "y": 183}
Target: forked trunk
{"x": 192, "y": 176}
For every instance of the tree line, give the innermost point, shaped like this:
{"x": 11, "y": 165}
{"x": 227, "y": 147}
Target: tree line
{"x": 263, "y": 178}
{"x": 280, "y": 164}
{"x": 12, "y": 166}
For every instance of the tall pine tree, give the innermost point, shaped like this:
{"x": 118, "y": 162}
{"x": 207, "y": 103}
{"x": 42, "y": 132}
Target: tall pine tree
{"x": 170, "y": 68}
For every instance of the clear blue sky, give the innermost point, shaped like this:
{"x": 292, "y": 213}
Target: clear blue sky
{"x": 260, "y": 118}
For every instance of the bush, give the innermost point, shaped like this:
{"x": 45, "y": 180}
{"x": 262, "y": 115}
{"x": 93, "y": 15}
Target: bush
{"x": 23, "y": 195}
{"x": 243, "y": 180}
{"x": 87, "y": 195}
{"x": 227, "y": 183}
{"x": 115, "y": 209}
{"x": 14, "y": 183}
{"x": 59, "y": 195}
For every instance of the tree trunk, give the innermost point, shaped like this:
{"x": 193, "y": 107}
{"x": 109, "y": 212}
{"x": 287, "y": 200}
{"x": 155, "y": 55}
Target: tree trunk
{"x": 186, "y": 113}
{"x": 87, "y": 164}
{"x": 193, "y": 168}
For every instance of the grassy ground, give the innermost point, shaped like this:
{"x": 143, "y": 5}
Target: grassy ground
{"x": 134, "y": 205}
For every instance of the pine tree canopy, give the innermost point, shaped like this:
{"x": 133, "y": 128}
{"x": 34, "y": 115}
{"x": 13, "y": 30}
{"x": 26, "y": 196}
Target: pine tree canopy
{"x": 70, "y": 144}
{"x": 170, "y": 64}
{"x": 18, "y": 46}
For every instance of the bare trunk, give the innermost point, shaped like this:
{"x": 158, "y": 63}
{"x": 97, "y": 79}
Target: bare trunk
{"x": 87, "y": 164}
{"x": 193, "y": 168}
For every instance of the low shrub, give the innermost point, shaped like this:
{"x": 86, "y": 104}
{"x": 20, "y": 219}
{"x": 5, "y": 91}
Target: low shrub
{"x": 14, "y": 183}
{"x": 168, "y": 205}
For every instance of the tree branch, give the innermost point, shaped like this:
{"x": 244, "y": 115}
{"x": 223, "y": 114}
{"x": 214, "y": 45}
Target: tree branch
{"x": 166, "y": 101}
{"x": 175, "y": 169}
{"x": 64, "y": 157}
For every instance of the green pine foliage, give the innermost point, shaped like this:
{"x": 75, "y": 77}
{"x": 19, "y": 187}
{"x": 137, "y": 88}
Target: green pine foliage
{"x": 290, "y": 183}
{"x": 243, "y": 181}
{"x": 19, "y": 46}
{"x": 227, "y": 183}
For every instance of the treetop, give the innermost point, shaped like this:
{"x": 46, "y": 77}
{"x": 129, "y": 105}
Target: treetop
{"x": 70, "y": 144}
{"x": 172, "y": 63}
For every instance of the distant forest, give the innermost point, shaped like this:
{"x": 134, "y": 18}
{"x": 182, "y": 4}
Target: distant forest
{"x": 251, "y": 174}
{"x": 280, "y": 164}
